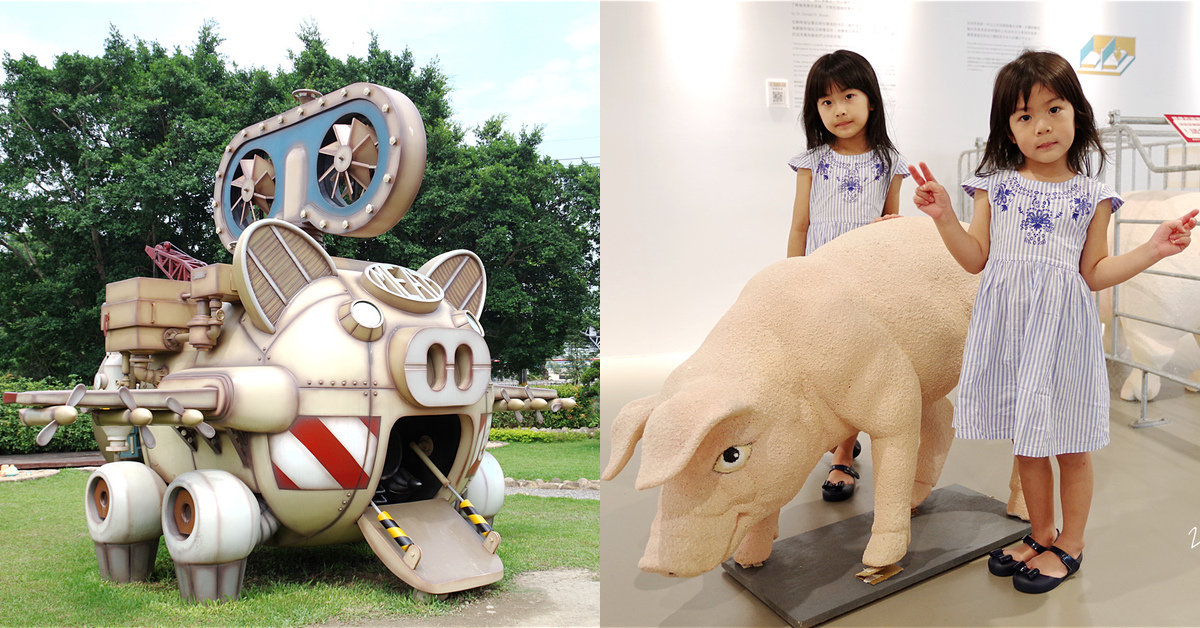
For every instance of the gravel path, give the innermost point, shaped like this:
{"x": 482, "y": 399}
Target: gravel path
{"x": 579, "y": 493}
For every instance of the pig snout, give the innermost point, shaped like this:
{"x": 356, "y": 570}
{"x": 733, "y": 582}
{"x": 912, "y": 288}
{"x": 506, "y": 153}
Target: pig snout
{"x": 687, "y": 546}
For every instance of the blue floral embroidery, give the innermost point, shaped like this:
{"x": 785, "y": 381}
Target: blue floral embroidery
{"x": 1038, "y": 219}
{"x": 878, "y": 170}
{"x": 823, "y": 168}
{"x": 850, "y": 185}
{"x": 1003, "y": 196}
{"x": 1081, "y": 206}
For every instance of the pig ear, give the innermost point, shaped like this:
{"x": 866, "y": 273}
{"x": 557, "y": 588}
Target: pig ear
{"x": 678, "y": 427}
{"x": 625, "y": 432}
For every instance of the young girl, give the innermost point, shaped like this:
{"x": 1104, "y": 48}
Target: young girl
{"x": 1033, "y": 368}
{"x": 849, "y": 176}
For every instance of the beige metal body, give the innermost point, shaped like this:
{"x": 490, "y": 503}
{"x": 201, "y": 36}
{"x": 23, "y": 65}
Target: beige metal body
{"x": 279, "y": 395}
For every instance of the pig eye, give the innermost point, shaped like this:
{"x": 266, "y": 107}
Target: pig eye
{"x": 732, "y": 459}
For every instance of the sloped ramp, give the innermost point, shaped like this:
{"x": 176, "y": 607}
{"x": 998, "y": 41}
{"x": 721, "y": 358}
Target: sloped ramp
{"x": 453, "y": 557}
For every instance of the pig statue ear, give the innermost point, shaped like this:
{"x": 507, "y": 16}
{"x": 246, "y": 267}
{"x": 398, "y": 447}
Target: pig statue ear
{"x": 625, "y": 432}
{"x": 678, "y": 426}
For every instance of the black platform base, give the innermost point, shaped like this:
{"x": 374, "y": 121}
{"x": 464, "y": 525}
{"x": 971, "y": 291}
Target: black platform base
{"x": 810, "y": 577}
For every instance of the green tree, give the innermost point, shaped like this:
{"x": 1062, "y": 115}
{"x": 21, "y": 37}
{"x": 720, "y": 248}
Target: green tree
{"x": 102, "y": 156}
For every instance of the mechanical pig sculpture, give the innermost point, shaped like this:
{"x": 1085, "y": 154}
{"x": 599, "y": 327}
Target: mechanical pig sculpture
{"x": 865, "y": 334}
{"x": 285, "y": 398}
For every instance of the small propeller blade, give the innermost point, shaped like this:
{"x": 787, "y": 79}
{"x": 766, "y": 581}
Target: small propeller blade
{"x": 127, "y": 398}
{"x": 147, "y": 437}
{"x": 174, "y": 405}
{"x": 206, "y": 430}
{"x": 44, "y": 436}
{"x": 77, "y": 394}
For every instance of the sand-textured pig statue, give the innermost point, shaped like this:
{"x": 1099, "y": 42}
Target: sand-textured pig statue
{"x": 865, "y": 334}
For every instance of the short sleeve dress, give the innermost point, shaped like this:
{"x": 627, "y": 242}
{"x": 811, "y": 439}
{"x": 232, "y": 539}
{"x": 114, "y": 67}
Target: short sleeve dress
{"x": 848, "y": 191}
{"x": 1033, "y": 367}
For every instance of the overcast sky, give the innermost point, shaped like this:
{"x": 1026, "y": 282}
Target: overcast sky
{"x": 538, "y": 62}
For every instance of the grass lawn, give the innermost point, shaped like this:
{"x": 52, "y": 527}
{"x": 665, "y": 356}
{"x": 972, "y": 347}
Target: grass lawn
{"x": 568, "y": 460}
{"x": 49, "y": 575}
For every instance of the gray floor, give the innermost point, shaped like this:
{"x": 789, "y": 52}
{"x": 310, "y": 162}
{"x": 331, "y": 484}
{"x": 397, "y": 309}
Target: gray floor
{"x": 1141, "y": 565}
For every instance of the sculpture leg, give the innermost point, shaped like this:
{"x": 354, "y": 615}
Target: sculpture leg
{"x": 937, "y": 433}
{"x": 895, "y": 460}
{"x": 756, "y": 546}
{"x": 1016, "y": 497}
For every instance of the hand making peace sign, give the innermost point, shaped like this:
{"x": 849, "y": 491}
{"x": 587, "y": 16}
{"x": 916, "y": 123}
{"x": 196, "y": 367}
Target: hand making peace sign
{"x": 931, "y": 197}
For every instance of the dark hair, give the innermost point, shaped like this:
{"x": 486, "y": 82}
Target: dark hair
{"x": 1014, "y": 83}
{"x": 845, "y": 69}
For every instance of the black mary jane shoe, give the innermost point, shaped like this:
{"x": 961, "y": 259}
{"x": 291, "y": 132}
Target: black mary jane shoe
{"x": 841, "y": 491}
{"x": 1028, "y": 580}
{"x": 1004, "y": 565}
{"x": 857, "y": 449}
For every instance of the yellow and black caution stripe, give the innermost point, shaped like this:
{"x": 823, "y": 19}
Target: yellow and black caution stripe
{"x": 468, "y": 510}
{"x": 394, "y": 528}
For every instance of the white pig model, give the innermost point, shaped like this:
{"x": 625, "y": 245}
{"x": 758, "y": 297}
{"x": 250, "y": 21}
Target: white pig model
{"x": 867, "y": 334}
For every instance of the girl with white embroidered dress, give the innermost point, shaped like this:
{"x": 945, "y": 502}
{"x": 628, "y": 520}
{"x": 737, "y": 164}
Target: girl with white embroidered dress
{"x": 850, "y": 176}
{"x": 1033, "y": 368}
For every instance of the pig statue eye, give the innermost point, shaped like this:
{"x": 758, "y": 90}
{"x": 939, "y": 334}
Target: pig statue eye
{"x": 732, "y": 459}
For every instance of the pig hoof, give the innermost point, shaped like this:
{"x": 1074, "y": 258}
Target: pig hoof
{"x": 1016, "y": 506}
{"x": 885, "y": 549}
{"x": 920, "y": 494}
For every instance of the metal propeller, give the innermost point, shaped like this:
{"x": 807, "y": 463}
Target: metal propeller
{"x": 139, "y": 417}
{"x": 191, "y": 418}
{"x": 62, "y": 415}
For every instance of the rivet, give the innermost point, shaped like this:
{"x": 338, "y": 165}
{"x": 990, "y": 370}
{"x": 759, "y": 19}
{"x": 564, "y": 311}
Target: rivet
{"x": 320, "y": 381}
{"x": 310, "y": 382}
{"x": 245, "y": 133}
{"x": 345, "y": 224}
{"x": 321, "y": 102}
{"x": 366, "y": 91}
{"x": 220, "y": 173}
{"x": 387, "y": 177}
{"x": 324, "y": 224}
{"x": 364, "y": 393}
{"x": 343, "y": 501}
{"x": 301, "y": 110}
{"x": 280, "y": 120}
{"x": 262, "y": 126}
{"x": 344, "y": 92}
{"x": 392, "y": 140}
{"x": 214, "y": 203}
{"x": 370, "y": 208}
{"x": 374, "y": 383}
{"x": 304, "y": 213}
{"x": 229, "y": 149}
{"x": 220, "y": 231}
{"x": 355, "y": 383}
{"x": 343, "y": 382}
{"x": 386, "y": 108}
{"x": 374, "y": 393}
{"x": 341, "y": 508}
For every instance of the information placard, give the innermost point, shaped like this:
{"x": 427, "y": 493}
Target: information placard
{"x": 1187, "y": 125}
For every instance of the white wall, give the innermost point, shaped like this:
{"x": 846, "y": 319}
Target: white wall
{"x": 697, "y": 195}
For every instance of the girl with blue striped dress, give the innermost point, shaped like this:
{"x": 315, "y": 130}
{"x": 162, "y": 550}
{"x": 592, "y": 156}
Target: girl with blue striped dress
{"x": 850, "y": 176}
{"x": 1033, "y": 367}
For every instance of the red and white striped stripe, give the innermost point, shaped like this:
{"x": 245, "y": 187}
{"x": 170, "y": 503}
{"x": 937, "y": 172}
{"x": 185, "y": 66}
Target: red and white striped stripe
{"x": 325, "y": 453}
